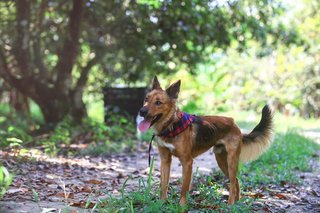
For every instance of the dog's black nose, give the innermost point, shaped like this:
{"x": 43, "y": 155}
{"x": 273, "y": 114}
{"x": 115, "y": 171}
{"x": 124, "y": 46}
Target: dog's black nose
{"x": 143, "y": 111}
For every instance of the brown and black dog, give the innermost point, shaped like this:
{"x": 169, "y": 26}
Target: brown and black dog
{"x": 230, "y": 145}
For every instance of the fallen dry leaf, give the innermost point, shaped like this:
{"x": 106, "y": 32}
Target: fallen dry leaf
{"x": 93, "y": 181}
{"x": 83, "y": 204}
{"x": 64, "y": 195}
{"x": 280, "y": 196}
{"x": 256, "y": 195}
{"x": 16, "y": 190}
{"x": 86, "y": 189}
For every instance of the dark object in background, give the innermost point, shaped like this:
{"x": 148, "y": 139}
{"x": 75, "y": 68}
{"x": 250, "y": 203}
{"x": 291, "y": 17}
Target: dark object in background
{"x": 124, "y": 101}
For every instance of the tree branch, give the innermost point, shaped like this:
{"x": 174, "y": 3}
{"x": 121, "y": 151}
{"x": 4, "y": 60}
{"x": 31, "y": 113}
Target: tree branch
{"x": 43, "y": 71}
{"x": 7, "y": 75}
{"x": 68, "y": 55}
{"x": 85, "y": 72}
{"x": 22, "y": 49}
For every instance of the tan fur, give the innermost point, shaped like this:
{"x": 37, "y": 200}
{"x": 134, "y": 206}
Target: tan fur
{"x": 250, "y": 152}
{"x": 219, "y": 132}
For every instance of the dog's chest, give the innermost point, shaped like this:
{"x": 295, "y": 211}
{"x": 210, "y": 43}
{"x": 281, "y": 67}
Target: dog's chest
{"x": 165, "y": 144}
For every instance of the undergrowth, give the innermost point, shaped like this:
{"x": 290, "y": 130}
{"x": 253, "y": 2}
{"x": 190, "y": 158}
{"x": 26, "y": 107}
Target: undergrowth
{"x": 5, "y": 180}
{"x": 13, "y": 128}
{"x": 18, "y": 131}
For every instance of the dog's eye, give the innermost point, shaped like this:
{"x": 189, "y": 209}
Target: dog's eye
{"x": 146, "y": 99}
{"x": 158, "y": 103}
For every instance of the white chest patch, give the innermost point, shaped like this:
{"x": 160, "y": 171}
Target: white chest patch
{"x": 164, "y": 144}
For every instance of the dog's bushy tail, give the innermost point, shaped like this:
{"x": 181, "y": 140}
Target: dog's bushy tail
{"x": 259, "y": 139}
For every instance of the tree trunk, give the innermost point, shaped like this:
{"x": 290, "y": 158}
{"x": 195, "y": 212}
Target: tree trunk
{"x": 78, "y": 110}
{"x": 18, "y": 101}
{"x": 24, "y": 69}
{"x": 54, "y": 110}
{"x": 58, "y": 106}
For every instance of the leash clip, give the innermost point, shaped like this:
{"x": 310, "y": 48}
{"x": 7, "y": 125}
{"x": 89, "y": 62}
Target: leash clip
{"x": 150, "y": 147}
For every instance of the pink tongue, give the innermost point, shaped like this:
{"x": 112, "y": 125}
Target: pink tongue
{"x": 144, "y": 125}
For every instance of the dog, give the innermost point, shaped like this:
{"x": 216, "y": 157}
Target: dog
{"x": 187, "y": 136}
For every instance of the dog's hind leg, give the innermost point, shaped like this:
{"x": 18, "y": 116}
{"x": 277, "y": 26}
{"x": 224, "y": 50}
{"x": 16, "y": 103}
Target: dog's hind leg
{"x": 233, "y": 152}
{"x": 165, "y": 158}
{"x": 228, "y": 163}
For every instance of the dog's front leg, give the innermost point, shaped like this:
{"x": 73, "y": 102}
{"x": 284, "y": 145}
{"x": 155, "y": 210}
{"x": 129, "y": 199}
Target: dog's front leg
{"x": 186, "y": 178}
{"x": 166, "y": 158}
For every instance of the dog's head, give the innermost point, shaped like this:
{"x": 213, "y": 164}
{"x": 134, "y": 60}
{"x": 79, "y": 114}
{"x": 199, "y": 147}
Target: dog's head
{"x": 159, "y": 105}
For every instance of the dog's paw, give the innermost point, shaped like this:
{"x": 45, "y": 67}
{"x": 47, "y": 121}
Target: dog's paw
{"x": 183, "y": 201}
{"x": 231, "y": 201}
{"x": 164, "y": 198}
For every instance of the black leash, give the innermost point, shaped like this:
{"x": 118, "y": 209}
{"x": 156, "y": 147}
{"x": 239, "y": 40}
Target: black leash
{"x": 150, "y": 147}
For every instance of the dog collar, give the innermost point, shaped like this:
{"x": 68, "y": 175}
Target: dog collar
{"x": 182, "y": 124}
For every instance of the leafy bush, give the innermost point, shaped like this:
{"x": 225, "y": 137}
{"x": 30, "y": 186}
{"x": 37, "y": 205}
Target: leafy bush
{"x": 99, "y": 137}
{"x": 15, "y": 132}
{"x": 115, "y": 137}
{"x": 13, "y": 128}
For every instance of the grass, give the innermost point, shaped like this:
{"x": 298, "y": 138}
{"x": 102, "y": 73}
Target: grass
{"x": 5, "y": 180}
{"x": 289, "y": 154}
{"x": 146, "y": 198}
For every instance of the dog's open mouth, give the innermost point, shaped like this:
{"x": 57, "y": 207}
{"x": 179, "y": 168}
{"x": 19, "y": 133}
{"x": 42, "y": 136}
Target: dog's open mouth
{"x": 147, "y": 122}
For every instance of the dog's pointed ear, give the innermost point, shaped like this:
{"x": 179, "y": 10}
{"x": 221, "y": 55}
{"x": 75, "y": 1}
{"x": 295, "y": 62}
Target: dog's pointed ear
{"x": 155, "y": 83}
{"x": 174, "y": 89}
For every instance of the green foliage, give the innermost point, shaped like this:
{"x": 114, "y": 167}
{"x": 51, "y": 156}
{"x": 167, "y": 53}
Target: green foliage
{"x": 247, "y": 82}
{"x": 145, "y": 136}
{"x": 60, "y": 135}
{"x": 286, "y": 77}
{"x": 100, "y": 138}
{"x": 5, "y": 180}
{"x": 310, "y": 25}
{"x": 13, "y": 128}
{"x": 113, "y": 138}
{"x": 67, "y": 44}
{"x": 205, "y": 91}
{"x": 165, "y": 34}
{"x": 169, "y": 34}
{"x": 288, "y": 154}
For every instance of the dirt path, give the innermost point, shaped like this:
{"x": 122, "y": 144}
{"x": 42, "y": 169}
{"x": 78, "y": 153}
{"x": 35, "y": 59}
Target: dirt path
{"x": 44, "y": 184}
{"x": 62, "y": 183}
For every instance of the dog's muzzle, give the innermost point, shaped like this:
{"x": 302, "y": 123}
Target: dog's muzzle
{"x": 143, "y": 111}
